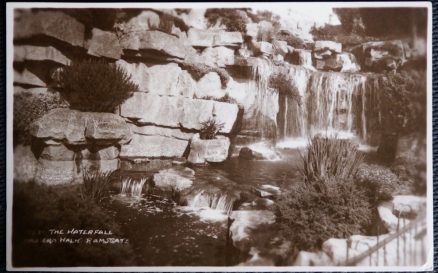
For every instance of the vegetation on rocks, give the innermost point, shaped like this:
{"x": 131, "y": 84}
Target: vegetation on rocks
{"x": 210, "y": 128}
{"x": 199, "y": 70}
{"x": 232, "y": 19}
{"x": 96, "y": 86}
{"x": 28, "y": 108}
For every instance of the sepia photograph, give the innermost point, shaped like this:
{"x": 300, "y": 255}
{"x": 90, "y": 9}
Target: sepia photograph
{"x": 219, "y": 136}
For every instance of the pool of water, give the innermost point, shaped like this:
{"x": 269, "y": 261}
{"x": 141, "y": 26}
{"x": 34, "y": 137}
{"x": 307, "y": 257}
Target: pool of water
{"x": 164, "y": 233}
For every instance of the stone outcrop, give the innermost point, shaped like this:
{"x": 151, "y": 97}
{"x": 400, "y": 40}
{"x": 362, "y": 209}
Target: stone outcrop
{"x": 39, "y": 53}
{"x": 380, "y": 56}
{"x": 212, "y": 38}
{"x": 219, "y": 56}
{"x": 25, "y": 164}
{"x": 26, "y": 77}
{"x": 245, "y": 221}
{"x": 322, "y": 46}
{"x": 174, "y": 179}
{"x": 151, "y": 130}
{"x": 156, "y": 41}
{"x": 73, "y": 127}
{"x": 154, "y": 147}
{"x": 210, "y": 86}
{"x": 104, "y": 44}
{"x": 177, "y": 82}
{"x": 55, "y": 24}
{"x": 178, "y": 111}
{"x": 208, "y": 150}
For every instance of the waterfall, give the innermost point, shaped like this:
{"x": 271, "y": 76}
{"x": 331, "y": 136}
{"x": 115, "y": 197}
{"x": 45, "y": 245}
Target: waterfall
{"x": 266, "y": 101}
{"x": 216, "y": 201}
{"x": 132, "y": 188}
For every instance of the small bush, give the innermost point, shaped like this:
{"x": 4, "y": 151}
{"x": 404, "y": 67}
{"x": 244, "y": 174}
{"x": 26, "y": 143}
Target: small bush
{"x": 232, "y": 19}
{"x": 412, "y": 173}
{"x": 331, "y": 158}
{"x": 167, "y": 21}
{"x": 198, "y": 70}
{"x": 314, "y": 212}
{"x": 28, "y": 107}
{"x": 290, "y": 39}
{"x": 96, "y": 86}
{"x": 210, "y": 128}
{"x": 96, "y": 185}
{"x": 379, "y": 182}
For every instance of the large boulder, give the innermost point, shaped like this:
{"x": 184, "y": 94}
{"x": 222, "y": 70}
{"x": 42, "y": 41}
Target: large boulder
{"x": 157, "y": 41}
{"x": 228, "y": 38}
{"x": 245, "y": 221}
{"x": 55, "y": 24}
{"x": 219, "y": 56}
{"x": 57, "y": 172}
{"x": 380, "y": 56}
{"x": 178, "y": 112}
{"x": 25, "y": 164}
{"x": 57, "y": 153}
{"x": 39, "y": 53}
{"x": 200, "y": 37}
{"x": 104, "y": 44}
{"x": 100, "y": 153}
{"x": 343, "y": 62}
{"x": 77, "y": 128}
{"x": 26, "y": 77}
{"x": 151, "y": 130}
{"x": 154, "y": 147}
{"x": 174, "y": 179}
{"x": 305, "y": 258}
{"x": 210, "y": 86}
{"x": 327, "y": 45}
{"x": 150, "y": 79}
{"x": 208, "y": 150}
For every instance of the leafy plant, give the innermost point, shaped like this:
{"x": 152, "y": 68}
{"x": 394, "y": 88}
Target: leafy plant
{"x": 96, "y": 86}
{"x": 328, "y": 158}
{"x": 28, "y": 107}
{"x": 96, "y": 185}
{"x": 232, "y": 19}
{"x": 290, "y": 39}
{"x": 199, "y": 70}
{"x": 167, "y": 21}
{"x": 226, "y": 98}
{"x": 210, "y": 128}
{"x": 321, "y": 209}
{"x": 379, "y": 182}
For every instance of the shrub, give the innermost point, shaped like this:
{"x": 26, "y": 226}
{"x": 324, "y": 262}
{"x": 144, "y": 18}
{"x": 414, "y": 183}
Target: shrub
{"x": 379, "y": 182}
{"x": 404, "y": 97}
{"x": 411, "y": 172}
{"x": 29, "y": 106}
{"x": 226, "y": 98}
{"x": 199, "y": 70}
{"x": 38, "y": 208}
{"x": 316, "y": 211}
{"x": 96, "y": 185}
{"x": 167, "y": 21}
{"x": 232, "y": 19}
{"x": 290, "y": 39}
{"x": 210, "y": 128}
{"x": 96, "y": 86}
{"x": 330, "y": 158}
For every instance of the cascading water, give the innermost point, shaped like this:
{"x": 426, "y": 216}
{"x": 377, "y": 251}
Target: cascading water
{"x": 265, "y": 101}
{"x": 216, "y": 201}
{"x": 341, "y": 104}
{"x": 132, "y": 188}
